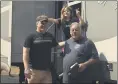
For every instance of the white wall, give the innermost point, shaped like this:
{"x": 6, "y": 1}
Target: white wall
{"x": 102, "y": 20}
{"x": 6, "y": 15}
{"x": 108, "y": 48}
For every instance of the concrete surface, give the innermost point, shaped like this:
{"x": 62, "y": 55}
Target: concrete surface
{"x": 5, "y": 78}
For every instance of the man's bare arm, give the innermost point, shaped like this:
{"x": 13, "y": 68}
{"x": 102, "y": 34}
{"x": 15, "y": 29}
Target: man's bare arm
{"x": 26, "y": 57}
{"x": 83, "y": 66}
{"x": 53, "y": 20}
{"x": 91, "y": 61}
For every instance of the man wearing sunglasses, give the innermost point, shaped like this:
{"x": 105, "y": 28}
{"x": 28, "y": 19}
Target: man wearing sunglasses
{"x": 37, "y": 53}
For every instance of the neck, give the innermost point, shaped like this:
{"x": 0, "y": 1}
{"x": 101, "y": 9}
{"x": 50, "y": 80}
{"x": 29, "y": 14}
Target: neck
{"x": 40, "y": 31}
{"x": 76, "y": 39}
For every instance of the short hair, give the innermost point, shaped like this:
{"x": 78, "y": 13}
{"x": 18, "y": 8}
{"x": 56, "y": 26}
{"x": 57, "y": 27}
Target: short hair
{"x": 41, "y": 18}
{"x": 77, "y": 24}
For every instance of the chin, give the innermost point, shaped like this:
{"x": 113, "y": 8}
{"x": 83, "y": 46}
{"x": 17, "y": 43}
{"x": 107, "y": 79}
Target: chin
{"x": 74, "y": 37}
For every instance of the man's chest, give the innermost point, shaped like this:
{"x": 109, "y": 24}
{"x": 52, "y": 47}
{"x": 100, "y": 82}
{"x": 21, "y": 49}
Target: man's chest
{"x": 75, "y": 48}
{"x": 42, "y": 40}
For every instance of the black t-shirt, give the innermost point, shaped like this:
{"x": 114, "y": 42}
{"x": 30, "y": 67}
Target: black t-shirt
{"x": 40, "y": 45}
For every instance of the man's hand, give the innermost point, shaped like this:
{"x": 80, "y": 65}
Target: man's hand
{"x": 82, "y": 67}
{"x": 27, "y": 73}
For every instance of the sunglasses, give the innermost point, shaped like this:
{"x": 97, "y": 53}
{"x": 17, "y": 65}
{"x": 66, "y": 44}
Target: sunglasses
{"x": 44, "y": 22}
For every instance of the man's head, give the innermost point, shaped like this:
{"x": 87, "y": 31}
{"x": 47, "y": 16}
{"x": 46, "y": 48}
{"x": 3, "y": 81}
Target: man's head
{"x": 41, "y": 22}
{"x": 75, "y": 30}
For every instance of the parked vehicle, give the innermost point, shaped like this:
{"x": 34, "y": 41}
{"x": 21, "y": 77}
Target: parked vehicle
{"x": 102, "y": 29}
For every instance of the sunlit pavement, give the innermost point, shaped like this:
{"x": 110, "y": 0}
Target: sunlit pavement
{"x": 8, "y": 79}
{"x": 5, "y": 78}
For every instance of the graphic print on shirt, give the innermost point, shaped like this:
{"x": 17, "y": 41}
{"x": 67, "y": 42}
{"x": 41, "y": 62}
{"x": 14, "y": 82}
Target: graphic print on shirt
{"x": 79, "y": 48}
{"x": 41, "y": 40}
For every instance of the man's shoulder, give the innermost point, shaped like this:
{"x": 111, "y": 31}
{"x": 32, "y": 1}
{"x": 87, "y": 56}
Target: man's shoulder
{"x": 48, "y": 34}
{"x": 69, "y": 40}
{"x": 30, "y": 35}
{"x": 89, "y": 41}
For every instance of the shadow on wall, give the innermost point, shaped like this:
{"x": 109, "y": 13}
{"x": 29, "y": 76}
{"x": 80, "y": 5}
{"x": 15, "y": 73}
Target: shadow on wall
{"x": 100, "y": 71}
{"x": 105, "y": 69}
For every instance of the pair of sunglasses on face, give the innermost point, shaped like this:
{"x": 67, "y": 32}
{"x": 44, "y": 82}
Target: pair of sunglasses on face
{"x": 44, "y": 22}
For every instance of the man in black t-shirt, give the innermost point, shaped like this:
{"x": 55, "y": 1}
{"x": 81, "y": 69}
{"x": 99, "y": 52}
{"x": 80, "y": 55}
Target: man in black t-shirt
{"x": 37, "y": 53}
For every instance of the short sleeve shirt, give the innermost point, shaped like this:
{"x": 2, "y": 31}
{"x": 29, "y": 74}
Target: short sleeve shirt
{"x": 40, "y": 49}
{"x": 79, "y": 51}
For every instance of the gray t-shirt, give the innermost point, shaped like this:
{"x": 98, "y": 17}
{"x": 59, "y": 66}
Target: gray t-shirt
{"x": 77, "y": 51}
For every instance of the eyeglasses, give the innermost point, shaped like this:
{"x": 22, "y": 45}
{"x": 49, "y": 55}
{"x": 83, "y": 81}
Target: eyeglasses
{"x": 44, "y": 22}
